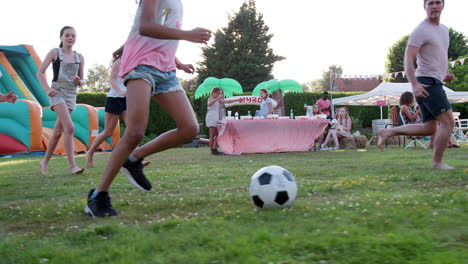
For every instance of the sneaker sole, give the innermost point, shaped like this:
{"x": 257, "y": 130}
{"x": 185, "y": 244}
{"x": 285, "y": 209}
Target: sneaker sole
{"x": 89, "y": 212}
{"x": 132, "y": 181}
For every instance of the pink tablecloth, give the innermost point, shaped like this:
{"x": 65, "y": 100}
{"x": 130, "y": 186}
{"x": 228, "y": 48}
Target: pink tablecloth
{"x": 267, "y": 135}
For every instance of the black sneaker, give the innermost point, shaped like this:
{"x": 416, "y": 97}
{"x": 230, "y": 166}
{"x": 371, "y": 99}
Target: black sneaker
{"x": 134, "y": 173}
{"x": 99, "y": 206}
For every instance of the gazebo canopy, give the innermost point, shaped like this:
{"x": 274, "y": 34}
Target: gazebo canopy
{"x": 390, "y": 93}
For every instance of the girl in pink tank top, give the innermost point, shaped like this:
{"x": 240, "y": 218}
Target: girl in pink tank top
{"x": 148, "y": 69}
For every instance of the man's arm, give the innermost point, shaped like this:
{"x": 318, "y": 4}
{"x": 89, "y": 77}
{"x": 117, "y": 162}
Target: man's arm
{"x": 419, "y": 90}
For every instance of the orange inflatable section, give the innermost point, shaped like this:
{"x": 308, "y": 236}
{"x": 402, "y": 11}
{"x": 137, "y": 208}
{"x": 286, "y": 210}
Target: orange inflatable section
{"x": 93, "y": 122}
{"x": 16, "y": 78}
{"x": 60, "y": 149}
{"x": 33, "y": 54}
{"x": 116, "y": 135}
{"x": 35, "y": 57}
{"x": 35, "y": 115}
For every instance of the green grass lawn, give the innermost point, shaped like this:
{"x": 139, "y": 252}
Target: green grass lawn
{"x": 352, "y": 207}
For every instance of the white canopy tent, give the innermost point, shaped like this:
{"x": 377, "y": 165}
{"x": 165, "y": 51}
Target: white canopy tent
{"x": 389, "y": 94}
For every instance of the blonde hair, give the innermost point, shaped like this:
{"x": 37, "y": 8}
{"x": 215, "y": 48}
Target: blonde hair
{"x": 347, "y": 117}
{"x": 319, "y": 110}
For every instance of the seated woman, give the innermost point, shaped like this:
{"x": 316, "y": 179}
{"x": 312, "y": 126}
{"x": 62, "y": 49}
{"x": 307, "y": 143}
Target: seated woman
{"x": 407, "y": 115}
{"x": 266, "y": 107}
{"x": 340, "y": 128}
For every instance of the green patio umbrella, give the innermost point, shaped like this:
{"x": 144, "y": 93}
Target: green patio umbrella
{"x": 228, "y": 85}
{"x": 274, "y": 85}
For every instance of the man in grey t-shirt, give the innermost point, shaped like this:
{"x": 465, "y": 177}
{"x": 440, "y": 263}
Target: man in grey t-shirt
{"x": 428, "y": 45}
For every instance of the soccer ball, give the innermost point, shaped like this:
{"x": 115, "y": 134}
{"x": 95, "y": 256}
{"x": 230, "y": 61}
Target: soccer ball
{"x": 273, "y": 187}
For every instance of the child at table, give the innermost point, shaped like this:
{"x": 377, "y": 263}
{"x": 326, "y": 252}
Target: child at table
{"x": 215, "y": 101}
{"x": 266, "y": 107}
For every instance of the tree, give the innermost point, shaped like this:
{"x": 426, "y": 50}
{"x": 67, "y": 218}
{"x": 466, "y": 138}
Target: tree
{"x": 240, "y": 50}
{"x": 395, "y": 59}
{"x": 98, "y": 79}
{"x": 396, "y": 54}
{"x": 460, "y": 82}
{"x": 312, "y": 86}
{"x": 458, "y": 45}
{"x": 328, "y": 78}
{"x": 189, "y": 85}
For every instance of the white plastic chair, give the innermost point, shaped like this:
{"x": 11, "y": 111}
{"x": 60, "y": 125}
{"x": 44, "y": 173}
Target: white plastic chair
{"x": 414, "y": 140}
{"x": 460, "y": 130}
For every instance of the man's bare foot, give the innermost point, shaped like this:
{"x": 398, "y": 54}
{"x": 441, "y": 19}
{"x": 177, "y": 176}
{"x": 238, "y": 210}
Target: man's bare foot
{"x": 43, "y": 166}
{"x": 89, "y": 160}
{"x": 383, "y": 136}
{"x": 442, "y": 166}
{"x": 76, "y": 170}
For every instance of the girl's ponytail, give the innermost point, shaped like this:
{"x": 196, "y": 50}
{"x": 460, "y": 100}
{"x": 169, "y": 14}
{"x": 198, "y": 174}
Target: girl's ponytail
{"x": 117, "y": 54}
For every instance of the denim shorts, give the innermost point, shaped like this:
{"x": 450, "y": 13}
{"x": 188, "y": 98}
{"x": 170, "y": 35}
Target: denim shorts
{"x": 116, "y": 105}
{"x": 160, "y": 82}
{"x": 436, "y": 103}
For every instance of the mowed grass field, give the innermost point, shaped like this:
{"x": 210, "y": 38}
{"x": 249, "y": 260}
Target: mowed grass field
{"x": 352, "y": 207}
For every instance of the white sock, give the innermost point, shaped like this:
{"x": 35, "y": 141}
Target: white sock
{"x": 132, "y": 158}
{"x": 95, "y": 193}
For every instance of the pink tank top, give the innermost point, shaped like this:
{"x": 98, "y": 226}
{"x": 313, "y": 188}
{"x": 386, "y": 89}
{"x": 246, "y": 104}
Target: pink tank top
{"x": 158, "y": 53}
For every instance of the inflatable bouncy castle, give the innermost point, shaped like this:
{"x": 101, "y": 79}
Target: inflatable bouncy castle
{"x": 26, "y": 125}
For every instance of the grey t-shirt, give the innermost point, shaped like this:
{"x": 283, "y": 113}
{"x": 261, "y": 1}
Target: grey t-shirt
{"x": 433, "y": 42}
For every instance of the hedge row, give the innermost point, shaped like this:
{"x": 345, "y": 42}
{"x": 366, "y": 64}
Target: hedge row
{"x": 159, "y": 121}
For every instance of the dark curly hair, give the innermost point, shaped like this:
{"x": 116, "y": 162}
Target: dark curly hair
{"x": 406, "y": 98}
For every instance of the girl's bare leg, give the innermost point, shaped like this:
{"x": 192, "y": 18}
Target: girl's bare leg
{"x": 111, "y": 121}
{"x": 138, "y": 99}
{"x": 335, "y": 139}
{"x": 63, "y": 115}
{"x": 212, "y": 131}
{"x": 327, "y": 139}
{"x": 53, "y": 141}
{"x": 179, "y": 108}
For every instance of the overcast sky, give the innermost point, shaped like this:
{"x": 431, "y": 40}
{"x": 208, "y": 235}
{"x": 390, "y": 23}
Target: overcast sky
{"x": 311, "y": 34}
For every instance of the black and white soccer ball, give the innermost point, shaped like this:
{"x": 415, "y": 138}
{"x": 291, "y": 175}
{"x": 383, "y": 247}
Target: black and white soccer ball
{"x": 273, "y": 187}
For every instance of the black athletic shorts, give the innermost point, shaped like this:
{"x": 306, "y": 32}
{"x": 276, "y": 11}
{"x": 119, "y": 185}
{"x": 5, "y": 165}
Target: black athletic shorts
{"x": 436, "y": 103}
{"x": 115, "y": 105}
